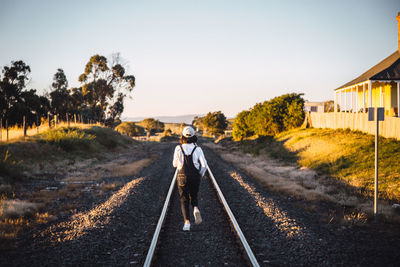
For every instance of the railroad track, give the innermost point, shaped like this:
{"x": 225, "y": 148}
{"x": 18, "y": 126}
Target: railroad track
{"x": 248, "y": 253}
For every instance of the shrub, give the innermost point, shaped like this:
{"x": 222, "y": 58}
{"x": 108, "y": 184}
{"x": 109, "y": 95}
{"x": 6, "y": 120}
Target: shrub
{"x": 130, "y": 128}
{"x": 69, "y": 139}
{"x": 215, "y": 122}
{"x": 271, "y": 117}
{"x": 242, "y": 126}
{"x": 107, "y": 137}
{"x": 152, "y": 125}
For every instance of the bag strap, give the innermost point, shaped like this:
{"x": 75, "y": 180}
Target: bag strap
{"x": 193, "y": 150}
{"x": 183, "y": 152}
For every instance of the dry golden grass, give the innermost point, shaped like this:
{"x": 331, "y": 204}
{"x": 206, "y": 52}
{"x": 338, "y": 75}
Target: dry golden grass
{"x": 9, "y": 228}
{"x": 45, "y": 217}
{"x": 348, "y": 156}
{"x": 355, "y": 218}
{"x": 299, "y": 183}
{"x": 16, "y": 215}
{"x": 16, "y": 133}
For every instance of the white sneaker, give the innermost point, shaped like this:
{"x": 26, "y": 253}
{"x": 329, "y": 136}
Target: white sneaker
{"x": 186, "y": 227}
{"x": 197, "y": 216}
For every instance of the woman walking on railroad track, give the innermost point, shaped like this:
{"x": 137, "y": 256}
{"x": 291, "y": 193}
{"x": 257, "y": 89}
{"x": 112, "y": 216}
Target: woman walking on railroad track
{"x": 192, "y": 165}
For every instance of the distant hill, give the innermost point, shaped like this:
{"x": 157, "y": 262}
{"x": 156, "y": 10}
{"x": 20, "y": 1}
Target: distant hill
{"x": 171, "y": 119}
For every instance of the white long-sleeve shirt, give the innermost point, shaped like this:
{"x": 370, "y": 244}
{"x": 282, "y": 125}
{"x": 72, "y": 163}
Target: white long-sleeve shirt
{"x": 199, "y": 160}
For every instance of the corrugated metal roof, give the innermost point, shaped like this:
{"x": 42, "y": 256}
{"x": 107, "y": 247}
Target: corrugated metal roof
{"x": 387, "y": 69}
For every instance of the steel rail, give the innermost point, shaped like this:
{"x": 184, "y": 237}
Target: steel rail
{"x": 239, "y": 232}
{"x": 154, "y": 241}
{"x": 232, "y": 218}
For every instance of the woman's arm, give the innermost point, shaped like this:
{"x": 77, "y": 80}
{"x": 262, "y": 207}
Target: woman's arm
{"x": 176, "y": 156}
{"x": 203, "y": 162}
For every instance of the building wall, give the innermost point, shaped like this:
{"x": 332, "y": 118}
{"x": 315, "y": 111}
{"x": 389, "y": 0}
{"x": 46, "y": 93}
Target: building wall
{"x": 314, "y": 107}
{"x": 389, "y": 96}
{"x": 360, "y": 96}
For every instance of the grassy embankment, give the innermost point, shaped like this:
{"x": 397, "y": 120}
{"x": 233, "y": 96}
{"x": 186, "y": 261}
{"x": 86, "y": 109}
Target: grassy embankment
{"x": 342, "y": 154}
{"x": 53, "y": 145}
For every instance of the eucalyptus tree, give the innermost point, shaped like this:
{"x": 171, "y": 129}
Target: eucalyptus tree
{"x": 60, "y": 95}
{"x": 13, "y": 80}
{"x": 104, "y": 87}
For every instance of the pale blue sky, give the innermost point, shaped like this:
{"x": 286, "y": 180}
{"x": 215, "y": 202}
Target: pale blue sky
{"x": 192, "y": 57}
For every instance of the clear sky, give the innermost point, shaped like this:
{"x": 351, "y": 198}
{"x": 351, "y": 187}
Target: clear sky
{"x": 192, "y": 57}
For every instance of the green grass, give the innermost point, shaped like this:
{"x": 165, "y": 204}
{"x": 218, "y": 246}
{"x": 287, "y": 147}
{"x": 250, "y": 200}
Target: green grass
{"x": 343, "y": 154}
{"x": 82, "y": 139}
{"x": 68, "y": 139}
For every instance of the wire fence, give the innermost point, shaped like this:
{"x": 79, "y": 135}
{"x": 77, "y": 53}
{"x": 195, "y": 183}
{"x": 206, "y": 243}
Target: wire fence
{"x": 8, "y": 134}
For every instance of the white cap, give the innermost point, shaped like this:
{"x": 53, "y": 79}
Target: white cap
{"x": 188, "y": 131}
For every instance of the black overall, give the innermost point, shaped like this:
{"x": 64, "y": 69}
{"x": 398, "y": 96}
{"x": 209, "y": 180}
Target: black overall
{"x": 188, "y": 183}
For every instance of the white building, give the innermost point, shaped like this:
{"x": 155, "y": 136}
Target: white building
{"x": 314, "y": 107}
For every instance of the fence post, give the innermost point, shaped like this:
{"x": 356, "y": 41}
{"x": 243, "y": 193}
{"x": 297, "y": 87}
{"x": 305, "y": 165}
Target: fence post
{"x": 48, "y": 119}
{"x": 75, "y": 119}
{"x": 55, "y": 121}
{"x": 67, "y": 120}
{"x": 7, "y": 128}
{"x": 24, "y": 125}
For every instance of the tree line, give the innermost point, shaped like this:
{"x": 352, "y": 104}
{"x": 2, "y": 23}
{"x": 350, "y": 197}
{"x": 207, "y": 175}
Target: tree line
{"x": 100, "y": 98}
{"x": 271, "y": 117}
{"x": 148, "y": 126}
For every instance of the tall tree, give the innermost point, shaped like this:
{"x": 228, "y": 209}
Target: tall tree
{"x": 60, "y": 96}
{"x": 32, "y": 106}
{"x": 13, "y": 81}
{"x": 105, "y": 86}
